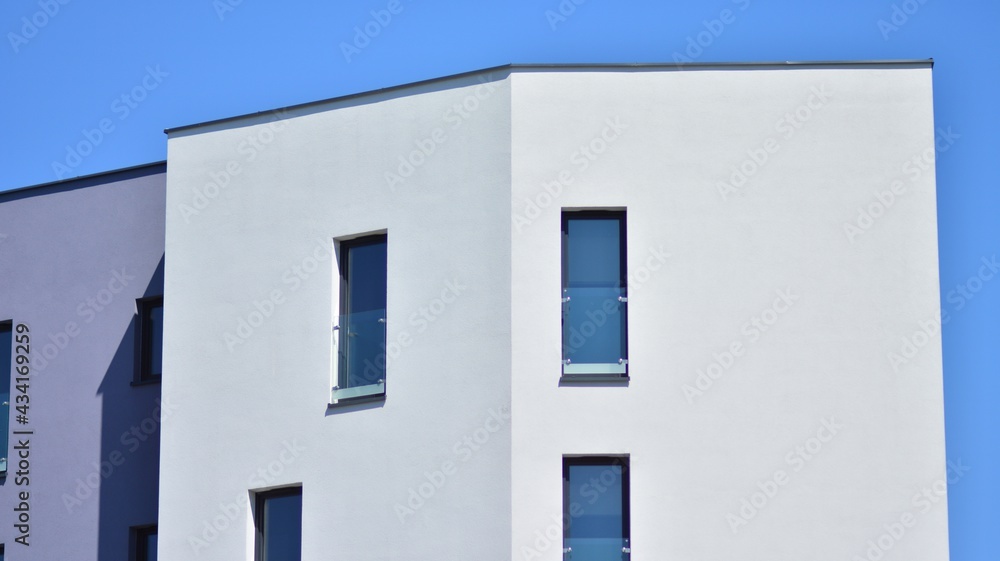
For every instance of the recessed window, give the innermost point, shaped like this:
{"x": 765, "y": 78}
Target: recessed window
{"x": 143, "y": 543}
{"x": 149, "y": 339}
{"x": 6, "y": 359}
{"x": 279, "y": 525}
{"x": 360, "y": 329}
{"x": 594, "y": 295}
{"x": 596, "y": 508}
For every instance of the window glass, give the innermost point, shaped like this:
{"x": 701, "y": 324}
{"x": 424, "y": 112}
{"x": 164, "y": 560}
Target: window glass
{"x": 151, "y": 546}
{"x": 594, "y": 252}
{"x": 594, "y": 295}
{"x": 6, "y": 362}
{"x": 361, "y": 326}
{"x": 144, "y": 540}
{"x": 280, "y": 526}
{"x": 154, "y": 319}
{"x": 150, "y": 339}
{"x": 367, "y": 276}
{"x": 596, "y": 494}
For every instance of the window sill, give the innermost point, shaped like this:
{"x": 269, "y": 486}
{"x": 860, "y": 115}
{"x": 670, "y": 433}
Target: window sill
{"x": 147, "y": 382}
{"x": 359, "y": 400}
{"x": 594, "y": 379}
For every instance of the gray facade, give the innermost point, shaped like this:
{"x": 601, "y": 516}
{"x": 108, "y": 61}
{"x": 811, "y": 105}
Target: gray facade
{"x": 75, "y": 256}
{"x": 760, "y": 316}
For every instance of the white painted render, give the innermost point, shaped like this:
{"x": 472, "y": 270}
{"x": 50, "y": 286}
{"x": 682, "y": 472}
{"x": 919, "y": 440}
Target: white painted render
{"x": 824, "y": 358}
{"x": 704, "y": 261}
{"x": 321, "y": 177}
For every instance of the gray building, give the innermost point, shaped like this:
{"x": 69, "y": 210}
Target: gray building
{"x": 577, "y": 313}
{"x": 81, "y": 274}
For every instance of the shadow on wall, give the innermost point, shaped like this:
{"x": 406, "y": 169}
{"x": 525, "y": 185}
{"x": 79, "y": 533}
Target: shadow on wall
{"x": 128, "y": 474}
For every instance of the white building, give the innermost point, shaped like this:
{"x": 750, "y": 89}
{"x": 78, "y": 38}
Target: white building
{"x": 773, "y": 392}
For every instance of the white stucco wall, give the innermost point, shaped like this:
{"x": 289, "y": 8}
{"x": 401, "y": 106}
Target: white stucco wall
{"x": 825, "y": 357}
{"x": 705, "y": 260}
{"x": 317, "y": 175}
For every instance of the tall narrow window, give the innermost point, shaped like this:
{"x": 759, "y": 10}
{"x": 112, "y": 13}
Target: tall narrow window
{"x": 6, "y": 359}
{"x": 361, "y": 356}
{"x": 594, "y": 294}
{"x": 149, "y": 342}
{"x": 596, "y": 509}
{"x": 143, "y": 543}
{"x": 279, "y": 525}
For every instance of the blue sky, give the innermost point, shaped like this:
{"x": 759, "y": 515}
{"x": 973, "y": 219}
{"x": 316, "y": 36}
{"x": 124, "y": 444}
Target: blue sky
{"x": 114, "y": 74}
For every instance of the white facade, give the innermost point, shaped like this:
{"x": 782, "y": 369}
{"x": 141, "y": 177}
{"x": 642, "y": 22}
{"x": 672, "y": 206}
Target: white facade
{"x": 769, "y": 274}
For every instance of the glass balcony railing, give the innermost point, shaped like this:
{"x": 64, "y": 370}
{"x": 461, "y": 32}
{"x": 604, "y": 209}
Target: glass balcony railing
{"x": 4, "y": 420}
{"x": 596, "y": 549}
{"x": 6, "y": 363}
{"x": 594, "y": 330}
{"x": 361, "y": 356}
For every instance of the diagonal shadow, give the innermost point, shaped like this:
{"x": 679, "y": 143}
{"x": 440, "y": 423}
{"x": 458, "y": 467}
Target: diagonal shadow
{"x": 130, "y": 445}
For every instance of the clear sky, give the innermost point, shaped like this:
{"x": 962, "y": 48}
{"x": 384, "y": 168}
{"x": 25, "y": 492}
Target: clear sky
{"x": 69, "y": 69}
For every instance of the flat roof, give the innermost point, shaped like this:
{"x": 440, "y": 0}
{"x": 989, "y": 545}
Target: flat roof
{"x": 161, "y": 163}
{"x": 569, "y": 66}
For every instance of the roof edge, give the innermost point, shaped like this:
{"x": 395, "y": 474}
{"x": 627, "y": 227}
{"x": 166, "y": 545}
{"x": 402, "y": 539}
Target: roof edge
{"x": 162, "y": 163}
{"x": 569, "y": 66}
{"x": 366, "y": 93}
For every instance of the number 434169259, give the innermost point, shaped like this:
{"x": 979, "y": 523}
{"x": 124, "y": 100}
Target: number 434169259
{"x": 22, "y": 346}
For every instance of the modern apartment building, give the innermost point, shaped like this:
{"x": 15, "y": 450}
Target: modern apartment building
{"x": 81, "y": 282}
{"x": 637, "y": 312}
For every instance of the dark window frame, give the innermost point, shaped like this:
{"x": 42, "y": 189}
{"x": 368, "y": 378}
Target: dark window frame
{"x": 260, "y": 498}
{"x": 10, "y": 372}
{"x": 344, "y": 250}
{"x": 597, "y": 214}
{"x": 137, "y": 541}
{"x": 143, "y": 342}
{"x": 598, "y": 460}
